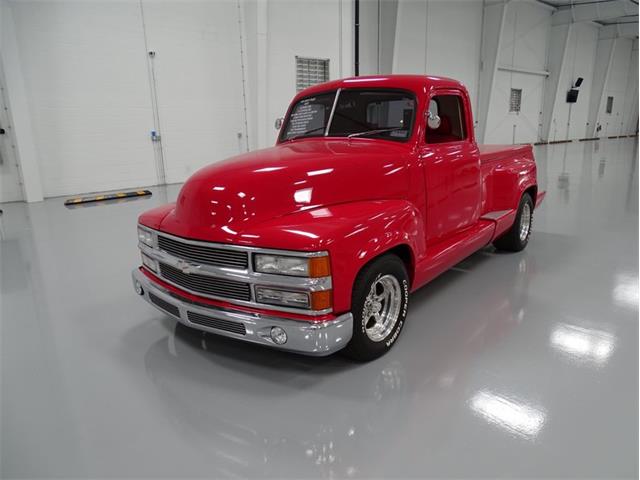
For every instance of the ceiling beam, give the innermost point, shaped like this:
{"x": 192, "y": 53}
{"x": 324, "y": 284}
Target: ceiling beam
{"x": 595, "y": 11}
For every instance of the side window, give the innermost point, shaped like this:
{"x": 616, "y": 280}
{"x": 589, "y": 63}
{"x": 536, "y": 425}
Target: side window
{"x": 446, "y": 119}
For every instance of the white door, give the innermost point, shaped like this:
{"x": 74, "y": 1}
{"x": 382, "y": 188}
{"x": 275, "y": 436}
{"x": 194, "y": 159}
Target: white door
{"x": 10, "y": 182}
{"x": 197, "y": 71}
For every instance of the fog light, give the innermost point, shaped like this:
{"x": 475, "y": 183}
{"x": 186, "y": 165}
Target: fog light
{"x": 138, "y": 288}
{"x": 278, "y": 335}
{"x": 273, "y": 296}
{"x": 150, "y": 263}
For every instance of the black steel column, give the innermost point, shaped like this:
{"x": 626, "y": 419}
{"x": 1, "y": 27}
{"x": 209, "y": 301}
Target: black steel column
{"x": 356, "y": 43}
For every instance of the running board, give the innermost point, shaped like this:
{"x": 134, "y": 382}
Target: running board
{"x": 503, "y": 220}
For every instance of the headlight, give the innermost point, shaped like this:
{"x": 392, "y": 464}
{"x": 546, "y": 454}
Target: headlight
{"x": 297, "y": 266}
{"x": 282, "y": 297}
{"x": 145, "y": 236}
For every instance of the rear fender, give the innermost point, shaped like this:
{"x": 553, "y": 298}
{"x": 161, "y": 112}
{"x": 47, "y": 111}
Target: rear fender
{"x": 510, "y": 182}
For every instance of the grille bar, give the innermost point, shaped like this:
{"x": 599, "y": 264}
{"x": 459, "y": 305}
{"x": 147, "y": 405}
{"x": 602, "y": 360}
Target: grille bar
{"x": 164, "y": 305}
{"x": 202, "y": 254}
{"x": 206, "y": 284}
{"x": 218, "y": 324}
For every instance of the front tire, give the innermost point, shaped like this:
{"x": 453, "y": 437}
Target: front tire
{"x": 379, "y": 306}
{"x": 517, "y": 237}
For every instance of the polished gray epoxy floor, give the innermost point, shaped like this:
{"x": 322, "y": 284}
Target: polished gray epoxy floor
{"x": 509, "y": 365}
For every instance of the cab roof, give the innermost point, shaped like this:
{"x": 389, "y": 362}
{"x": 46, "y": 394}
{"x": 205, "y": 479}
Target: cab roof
{"x": 418, "y": 84}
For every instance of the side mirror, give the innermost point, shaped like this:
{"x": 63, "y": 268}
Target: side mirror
{"x": 433, "y": 121}
{"x": 278, "y": 123}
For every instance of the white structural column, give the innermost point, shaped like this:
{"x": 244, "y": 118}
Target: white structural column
{"x": 492, "y": 30}
{"x": 604, "y": 59}
{"x": 556, "y": 59}
{"x": 387, "y": 34}
{"x": 262, "y": 85}
{"x": 246, "y": 72}
{"x": 346, "y": 38}
{"x": 630, "y": 114}
{"x": 16, "y": 95}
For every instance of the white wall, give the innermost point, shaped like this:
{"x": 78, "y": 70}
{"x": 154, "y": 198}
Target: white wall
{"x": 10, "y": 181}
{"x": 570, "y": 120}
{"x": 223, "y": 71}
{"x": 84, "y": 68}
{"x": 80, "y": 92}
{"x": 198, "y": 75}
{"x": 287, "y": 38}
{"x": 15, "y": 99}
{"x": 439, "y": 37}
{"x": 523, "y": 46}
{"x": 630, "y": 112}
{"x": 621, "y": 84}
{"x": 493, "y": 46}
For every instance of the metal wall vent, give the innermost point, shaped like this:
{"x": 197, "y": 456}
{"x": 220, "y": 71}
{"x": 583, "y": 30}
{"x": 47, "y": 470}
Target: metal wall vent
{"x": 311, "y": 71}
{"x": 515, "y": 99}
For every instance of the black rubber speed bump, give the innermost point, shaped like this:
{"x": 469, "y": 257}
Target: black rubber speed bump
{"x": 106, "y": 197}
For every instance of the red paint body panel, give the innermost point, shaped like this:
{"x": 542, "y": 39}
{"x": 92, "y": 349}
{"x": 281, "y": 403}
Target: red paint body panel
{"x": 358, "y": 198}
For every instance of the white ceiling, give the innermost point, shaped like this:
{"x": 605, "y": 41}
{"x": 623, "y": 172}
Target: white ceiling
{"x": 604, "y": 12}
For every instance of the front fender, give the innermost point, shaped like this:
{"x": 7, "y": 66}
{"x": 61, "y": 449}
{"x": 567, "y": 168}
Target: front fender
{"x": 353, "y": 234}
{"x": 369, "y": 230}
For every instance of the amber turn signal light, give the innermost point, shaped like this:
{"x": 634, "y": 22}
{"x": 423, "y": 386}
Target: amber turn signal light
{"x": 321, "y": 300}
{"x": 319, "y": 267}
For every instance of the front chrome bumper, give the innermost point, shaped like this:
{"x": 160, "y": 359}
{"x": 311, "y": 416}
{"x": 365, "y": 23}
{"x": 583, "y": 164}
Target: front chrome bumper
{"x": 306, "y": 337}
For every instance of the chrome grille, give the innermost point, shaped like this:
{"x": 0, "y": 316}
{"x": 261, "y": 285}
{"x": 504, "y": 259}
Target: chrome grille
{"x": 220, "y": 257}
{"x": 164, "y": 305}
{"x": 206, "y": 284}
{"x": 218, "y": 324}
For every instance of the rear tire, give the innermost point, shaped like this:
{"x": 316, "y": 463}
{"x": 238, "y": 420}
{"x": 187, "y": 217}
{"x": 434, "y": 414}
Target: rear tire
{"x": 379, "y": 306}
{"x": 517, "y": 237}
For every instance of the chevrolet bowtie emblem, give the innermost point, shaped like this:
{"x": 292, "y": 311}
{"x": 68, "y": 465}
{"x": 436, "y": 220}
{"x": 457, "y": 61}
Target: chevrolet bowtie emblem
{"x": 186, "y": 267}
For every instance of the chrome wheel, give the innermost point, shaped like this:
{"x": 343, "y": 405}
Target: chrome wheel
{"x": 525, "y": 222}
{"x": 382, "y": 307}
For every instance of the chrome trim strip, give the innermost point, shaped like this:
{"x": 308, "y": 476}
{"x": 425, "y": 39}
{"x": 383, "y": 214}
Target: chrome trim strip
{"x": 496, "y": 214}
{"x": 333, "y": 110}
{"x": 306, "y": 337}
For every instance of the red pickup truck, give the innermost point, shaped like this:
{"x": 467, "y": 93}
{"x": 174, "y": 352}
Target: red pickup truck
{"x": 375, "y": 186}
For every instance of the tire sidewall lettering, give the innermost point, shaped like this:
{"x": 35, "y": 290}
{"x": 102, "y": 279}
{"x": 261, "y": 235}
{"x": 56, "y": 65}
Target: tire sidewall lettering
{"x": 403, "y": 314}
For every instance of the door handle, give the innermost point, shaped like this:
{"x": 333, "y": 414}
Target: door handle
{"x": 2, "y": 132}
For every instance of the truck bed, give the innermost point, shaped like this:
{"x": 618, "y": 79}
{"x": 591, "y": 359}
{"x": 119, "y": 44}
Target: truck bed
{"x": 491, "y": 153}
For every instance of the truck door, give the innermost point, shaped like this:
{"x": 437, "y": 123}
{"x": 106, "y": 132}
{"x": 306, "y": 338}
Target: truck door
{"x": 451, "y": 166}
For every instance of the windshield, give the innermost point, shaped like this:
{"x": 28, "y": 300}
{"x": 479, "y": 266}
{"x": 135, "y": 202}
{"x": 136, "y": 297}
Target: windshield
{"x": 387, "y": 114}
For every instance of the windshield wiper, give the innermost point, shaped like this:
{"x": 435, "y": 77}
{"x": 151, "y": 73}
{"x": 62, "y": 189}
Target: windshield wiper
{"x": 304, "y": 134}
{"x": 371, "y": 132}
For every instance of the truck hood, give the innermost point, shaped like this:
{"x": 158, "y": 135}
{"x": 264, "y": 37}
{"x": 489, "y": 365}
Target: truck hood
{"x": 225, "y": 199}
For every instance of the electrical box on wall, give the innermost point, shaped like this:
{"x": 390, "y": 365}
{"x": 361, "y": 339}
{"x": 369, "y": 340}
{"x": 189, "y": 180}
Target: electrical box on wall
{"x": 572, "y": 95}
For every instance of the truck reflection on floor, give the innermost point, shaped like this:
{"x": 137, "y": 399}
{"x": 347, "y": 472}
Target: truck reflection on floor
{"x": 256, "y": 411}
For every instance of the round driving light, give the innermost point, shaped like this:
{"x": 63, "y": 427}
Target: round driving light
{"x": 278, "y": 335}
{"x": 138, "y": 288}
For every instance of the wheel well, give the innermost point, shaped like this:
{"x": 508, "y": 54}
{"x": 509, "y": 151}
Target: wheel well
{"x": 533, "y": 193}
{"x": 405, "y": 254}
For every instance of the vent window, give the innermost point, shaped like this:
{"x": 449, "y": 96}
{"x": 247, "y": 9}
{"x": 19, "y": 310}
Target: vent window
{"x": 609, "y": 105}
{"x": 311, "y": 71}
{"x": 449, "y": 109}
{"x": 515, "y": 99}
